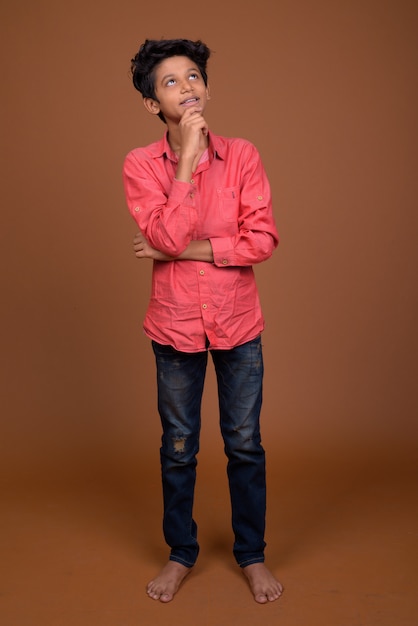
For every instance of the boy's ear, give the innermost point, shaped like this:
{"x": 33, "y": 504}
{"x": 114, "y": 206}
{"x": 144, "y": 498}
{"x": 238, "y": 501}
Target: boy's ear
{"x": 208, "y": 91}
{"x": 151, "y": 106}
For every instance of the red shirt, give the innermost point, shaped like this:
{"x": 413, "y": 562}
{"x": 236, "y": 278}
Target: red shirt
{"x": 228, "y": 201}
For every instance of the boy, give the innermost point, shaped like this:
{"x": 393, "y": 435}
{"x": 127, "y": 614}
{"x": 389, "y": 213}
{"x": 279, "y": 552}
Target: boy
{"x": 202, "y": 204}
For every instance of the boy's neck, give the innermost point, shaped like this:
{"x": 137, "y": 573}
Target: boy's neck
{"x": 174, "y": 140}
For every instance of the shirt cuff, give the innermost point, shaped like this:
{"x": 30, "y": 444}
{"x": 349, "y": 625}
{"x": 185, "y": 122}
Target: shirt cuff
{"x": 181, "y": 192}
{"x": 222, "y": 256}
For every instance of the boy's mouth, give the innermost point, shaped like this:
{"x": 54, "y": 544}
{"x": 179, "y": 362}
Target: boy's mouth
{"x": 189, "y": 101}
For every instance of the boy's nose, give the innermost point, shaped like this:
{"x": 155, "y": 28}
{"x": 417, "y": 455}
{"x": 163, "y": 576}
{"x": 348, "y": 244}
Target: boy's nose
{"x": 186, "y": 86}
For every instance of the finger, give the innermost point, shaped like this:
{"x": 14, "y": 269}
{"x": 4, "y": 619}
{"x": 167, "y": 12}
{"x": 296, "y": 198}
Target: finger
{"x": 190, "y": 115}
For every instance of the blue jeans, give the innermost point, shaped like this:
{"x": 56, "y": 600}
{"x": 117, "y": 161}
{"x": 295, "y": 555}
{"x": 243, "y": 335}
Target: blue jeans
{"x": 180, "y": 377}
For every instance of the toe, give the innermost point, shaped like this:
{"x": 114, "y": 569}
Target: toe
{"x": 166, "y": 597}
{"x": 261, "y": 598}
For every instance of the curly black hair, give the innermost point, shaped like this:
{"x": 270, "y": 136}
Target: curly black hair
{"x": 153, "y": 51}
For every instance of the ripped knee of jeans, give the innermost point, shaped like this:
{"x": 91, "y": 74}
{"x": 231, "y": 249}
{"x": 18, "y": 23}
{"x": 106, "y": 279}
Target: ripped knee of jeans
{"x": 179, "y": 444}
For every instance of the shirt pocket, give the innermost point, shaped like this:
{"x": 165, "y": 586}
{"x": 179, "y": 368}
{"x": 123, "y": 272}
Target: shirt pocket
{"x": 228, "y": 202}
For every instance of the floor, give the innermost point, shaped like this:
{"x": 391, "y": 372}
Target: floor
{"x": 341, "y": 531}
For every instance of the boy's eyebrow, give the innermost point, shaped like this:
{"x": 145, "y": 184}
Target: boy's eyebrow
{"x": 163, "y": 78}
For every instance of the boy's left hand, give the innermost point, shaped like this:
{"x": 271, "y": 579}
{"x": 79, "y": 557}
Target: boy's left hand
{"x": 143, "y": 250}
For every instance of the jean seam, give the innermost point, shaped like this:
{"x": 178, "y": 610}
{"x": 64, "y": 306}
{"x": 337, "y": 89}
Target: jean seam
{"x": 182, "y": 561}
{"x": 251, "y": 561}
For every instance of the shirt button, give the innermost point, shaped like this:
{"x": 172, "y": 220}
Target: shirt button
{"x": 204, "y": 306}
{"x": 202, "y": 272}
{"x": 192, "y": 181}
{"x": 224, "y": 261}
{"x": 259, "y": 197}
{"x": 136, "y": 209}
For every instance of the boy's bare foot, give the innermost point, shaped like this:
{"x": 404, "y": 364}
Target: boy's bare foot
{"x": 166, "y": 584}
{"x": 264, "y": 586}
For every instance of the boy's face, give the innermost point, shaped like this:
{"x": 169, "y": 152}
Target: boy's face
{"x": 178, "y": 86}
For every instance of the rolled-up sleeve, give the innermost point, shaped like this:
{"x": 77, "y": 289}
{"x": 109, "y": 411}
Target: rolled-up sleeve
{"x": 257, "y": 235}
{"x": 166, "y": 219}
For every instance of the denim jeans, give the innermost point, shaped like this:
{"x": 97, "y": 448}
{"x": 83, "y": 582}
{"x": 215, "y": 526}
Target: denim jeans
{"x": 180, "y": 377}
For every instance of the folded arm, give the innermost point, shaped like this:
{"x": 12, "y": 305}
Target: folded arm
{"x": 195, "y": 251}
{"x": 166, "y": 214}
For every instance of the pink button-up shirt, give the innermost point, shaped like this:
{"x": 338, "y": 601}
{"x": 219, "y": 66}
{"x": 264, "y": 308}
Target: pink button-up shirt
{"x": 228, "y": 201}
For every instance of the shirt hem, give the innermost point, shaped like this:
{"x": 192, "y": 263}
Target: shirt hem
{"x": 205, "y": 348}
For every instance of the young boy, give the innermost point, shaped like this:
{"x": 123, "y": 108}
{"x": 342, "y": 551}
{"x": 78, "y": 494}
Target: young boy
{"x": 202, "y": 203}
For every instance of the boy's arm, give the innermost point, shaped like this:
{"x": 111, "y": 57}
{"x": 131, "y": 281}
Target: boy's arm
{"x": 256, "y": 236}
{"x": 195, "y": 251}
{"x": 167, "y": 220}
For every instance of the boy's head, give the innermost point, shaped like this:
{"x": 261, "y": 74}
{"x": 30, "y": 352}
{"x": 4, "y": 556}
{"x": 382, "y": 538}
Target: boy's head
{"x": 152, "y": 52}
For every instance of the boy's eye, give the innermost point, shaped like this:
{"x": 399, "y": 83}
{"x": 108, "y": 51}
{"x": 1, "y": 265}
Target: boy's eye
{"x": 192, "y": 76}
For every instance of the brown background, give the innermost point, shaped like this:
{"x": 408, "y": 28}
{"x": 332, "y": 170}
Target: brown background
{"x": 327, "y": 91}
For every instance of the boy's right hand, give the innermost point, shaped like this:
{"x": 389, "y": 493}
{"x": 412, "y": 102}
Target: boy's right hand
{"x": 193, "y": 137}
{"x": 193, "y": 127}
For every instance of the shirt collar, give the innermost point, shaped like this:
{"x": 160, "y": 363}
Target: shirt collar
{"x": 162, "y": 147}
